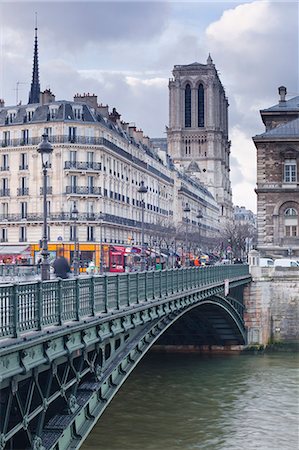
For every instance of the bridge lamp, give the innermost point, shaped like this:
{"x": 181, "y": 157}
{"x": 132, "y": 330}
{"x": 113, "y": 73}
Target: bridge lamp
{"x": 74, "y": 217}
{"x": 199, "y": 216}
{"x": 142, "y": 190}
{"x": 187, "y": 211}
{"x": 45, "y": 149}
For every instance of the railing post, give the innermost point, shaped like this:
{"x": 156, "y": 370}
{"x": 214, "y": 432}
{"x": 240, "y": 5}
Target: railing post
{"x": 160, "y": 283}
{"x": 106, "y": 293}
{"x": 59, "y": 301}
{"x": 145, "y": 285}
{"x": 137, "y": 287}
{"x": 128, "y": 289}
{"x": 92, "y": 306}
{"x": 39, "y": 304}
{"x": 16, "y": 324}
{"x": 77, "y": 298}
{"x": 117, "y": 291}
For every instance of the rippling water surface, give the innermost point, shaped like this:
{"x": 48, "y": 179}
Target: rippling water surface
{"x": 188, "y": 402}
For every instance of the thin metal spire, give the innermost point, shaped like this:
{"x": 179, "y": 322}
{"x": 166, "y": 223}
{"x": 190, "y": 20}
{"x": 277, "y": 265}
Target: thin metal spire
{"x": 35, "y": 86}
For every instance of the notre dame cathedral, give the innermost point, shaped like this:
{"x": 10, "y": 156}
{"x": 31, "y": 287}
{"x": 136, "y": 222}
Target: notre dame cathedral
{"x": 198, "y": 129}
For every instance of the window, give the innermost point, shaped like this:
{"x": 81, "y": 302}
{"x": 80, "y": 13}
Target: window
{"x": 201, "y": 106}
{"x": 291, "y": 222}
{"x": 29, "y": 115}
{"x": 90, "y": 184}
{"x": 5, "y": 164}
{"x": 3, "y": 235}
{"x": 73, "y": 232}
{"x": 23, "y": 207}
{"x": 53, "y": 112}
{"x": 24, "y": 137}
{"x": 22, "y": 234}
{"x": 6, "y": 138}
{"x": 73, "y": 158}
{"x": 90, "y": 233}
{"x": 90, "y": 156}
{"x": 188, "y": 106}
{"x": 4, "y": 210}
{"x": 48, "y": 131}
{"x": 23, "y": 161}
{"x": 72, "y": 134}
{"x": 290, "y": 171}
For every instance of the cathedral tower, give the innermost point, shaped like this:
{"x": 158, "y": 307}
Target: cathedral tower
{"x": 35, "y": 86}
{"x": 198, "y": 129}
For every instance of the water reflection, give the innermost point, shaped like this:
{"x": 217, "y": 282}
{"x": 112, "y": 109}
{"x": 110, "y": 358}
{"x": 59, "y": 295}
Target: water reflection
{"x": 186, "y": 402}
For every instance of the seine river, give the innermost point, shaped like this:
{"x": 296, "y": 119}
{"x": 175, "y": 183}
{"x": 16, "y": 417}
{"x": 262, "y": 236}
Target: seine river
{"x": 188, "y": 402}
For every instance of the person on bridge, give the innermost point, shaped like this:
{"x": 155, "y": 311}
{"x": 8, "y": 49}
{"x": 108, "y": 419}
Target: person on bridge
{"x": 61, "y": 266}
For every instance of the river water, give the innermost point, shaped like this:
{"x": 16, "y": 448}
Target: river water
{"x": 188, "y": 402}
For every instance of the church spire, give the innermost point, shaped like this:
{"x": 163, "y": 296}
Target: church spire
{"x": 35, "y": 86}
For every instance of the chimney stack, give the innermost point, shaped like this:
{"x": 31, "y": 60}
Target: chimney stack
{"x": 282, "y": 91}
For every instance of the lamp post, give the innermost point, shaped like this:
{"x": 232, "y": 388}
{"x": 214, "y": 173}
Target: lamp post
{"x": 186, "y": 211}
{"x": 142, "y": 190}
{"x": 101, "y": 243}
{"x": 199, "y": 216}
{"x": 74, "y": 216}
{"x": 45, "y": 149}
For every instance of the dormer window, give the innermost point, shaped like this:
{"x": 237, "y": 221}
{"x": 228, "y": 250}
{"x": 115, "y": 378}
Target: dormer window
{"x": 290, "y": 171}
{"x": 11, "y": 115}
{"x": 77, "y": 110}
{"x": 29, "y": 114}
{"x": 53, "y": 112}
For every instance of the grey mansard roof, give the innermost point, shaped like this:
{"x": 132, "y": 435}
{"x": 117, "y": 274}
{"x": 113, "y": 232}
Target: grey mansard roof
{"x": 287, "y": 130}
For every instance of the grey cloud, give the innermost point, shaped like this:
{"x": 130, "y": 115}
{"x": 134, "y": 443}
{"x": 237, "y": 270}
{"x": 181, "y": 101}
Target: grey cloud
{"x": 75, "y": 24}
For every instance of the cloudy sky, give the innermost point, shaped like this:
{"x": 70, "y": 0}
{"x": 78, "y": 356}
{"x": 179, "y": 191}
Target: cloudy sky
{"x": 125, "y": 51}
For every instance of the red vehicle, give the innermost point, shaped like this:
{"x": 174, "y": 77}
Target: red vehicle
{"x": 117, "y": 259}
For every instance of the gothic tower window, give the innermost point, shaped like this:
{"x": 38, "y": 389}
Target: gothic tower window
{"x": 188, "y": 106}
{"x": 201, "y": 106}
{"x": 291, "y": 222}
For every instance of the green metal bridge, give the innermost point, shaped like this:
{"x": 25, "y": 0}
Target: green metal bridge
{"x": 66, "y": 346}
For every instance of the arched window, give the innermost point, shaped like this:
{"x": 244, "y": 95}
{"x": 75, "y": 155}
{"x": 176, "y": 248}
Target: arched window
{"x": 291, "y": 222}
{"x": 201, "y": 106}
{"x": 188, "y": 106}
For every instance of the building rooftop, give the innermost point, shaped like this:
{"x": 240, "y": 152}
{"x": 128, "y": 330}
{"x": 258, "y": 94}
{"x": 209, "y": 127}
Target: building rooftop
{"x": 287, "y": 130}
{"x": 288, "y": 105}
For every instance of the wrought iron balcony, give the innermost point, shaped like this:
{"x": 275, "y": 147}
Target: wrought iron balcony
{"x": 23, "y": 167}
{"x": 22, "y": 191}
{"x": 4, "y": 168}
{"x": 83, "y": 190}
{"x": 82, "y": 165}
{"x": 4, "y": 192}
{"x": 49, "y": 190}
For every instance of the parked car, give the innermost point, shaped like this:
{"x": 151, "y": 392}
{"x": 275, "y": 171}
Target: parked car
{"x": 286, "y": 262}
{"x": 266, "y": 262}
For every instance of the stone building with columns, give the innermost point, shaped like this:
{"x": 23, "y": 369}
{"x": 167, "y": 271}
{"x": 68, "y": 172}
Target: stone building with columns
{"x": 277, "y": 179}
{"x": 198, "y": 129}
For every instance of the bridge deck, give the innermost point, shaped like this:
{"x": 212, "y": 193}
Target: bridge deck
{"x": 32, "y": 306}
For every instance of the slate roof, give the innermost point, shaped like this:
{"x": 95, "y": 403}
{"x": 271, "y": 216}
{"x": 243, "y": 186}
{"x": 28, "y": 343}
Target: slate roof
{"x": 289, "y": 105}
{"x": 287, "y": 130}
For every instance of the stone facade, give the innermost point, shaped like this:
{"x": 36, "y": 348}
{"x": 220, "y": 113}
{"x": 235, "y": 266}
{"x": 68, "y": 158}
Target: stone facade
{"x": 198, "y": 129}
{"x": 277, "y": 179}
{"x": 272, "y": 306}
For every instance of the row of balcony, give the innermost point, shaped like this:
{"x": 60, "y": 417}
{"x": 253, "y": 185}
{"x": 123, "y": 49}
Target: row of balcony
{"x": 21, "y": 167}
{"x": 66, "y": 139}
{"x": 82, "y": 217}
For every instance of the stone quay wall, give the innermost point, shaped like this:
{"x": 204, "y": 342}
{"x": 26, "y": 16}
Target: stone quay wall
{"x": 272, "y": 306}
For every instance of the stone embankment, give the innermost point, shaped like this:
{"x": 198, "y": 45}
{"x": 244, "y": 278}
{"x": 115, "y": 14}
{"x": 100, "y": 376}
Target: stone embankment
{"x": 272, "y": 306}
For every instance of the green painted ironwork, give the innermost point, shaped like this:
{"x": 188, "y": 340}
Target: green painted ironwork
{"x": 33, "y": 306}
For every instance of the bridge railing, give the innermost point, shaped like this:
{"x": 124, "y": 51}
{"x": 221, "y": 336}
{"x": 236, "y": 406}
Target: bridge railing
{"x": 35, "y": 305}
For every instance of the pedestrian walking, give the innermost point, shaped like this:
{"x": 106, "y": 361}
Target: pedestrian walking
{"x": 61, "y": 266}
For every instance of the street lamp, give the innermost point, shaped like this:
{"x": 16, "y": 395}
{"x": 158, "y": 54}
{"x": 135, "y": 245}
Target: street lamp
{"x": 74, "y": 217}
{"x": 199, "y": 216}
{"x": 142, "y": 190}
{"x": 186, "y": 211}
{"x": 45, "y": 149}
{"x": 101, "y": 243}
